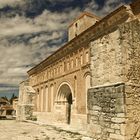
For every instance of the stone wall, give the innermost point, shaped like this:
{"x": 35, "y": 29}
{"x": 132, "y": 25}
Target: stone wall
{"x": 132, "y": 94}
{"x": 130, "y": 40}
{"x": 114, "y": 112}
{"x": 106, "y": 59}
{"x": 106, "y": 113}
{"x": 25, "y": 103}
{"x": 115, "y": 58}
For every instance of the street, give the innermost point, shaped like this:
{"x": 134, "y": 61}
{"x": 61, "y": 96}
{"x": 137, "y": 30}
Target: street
{"x": 13, "y": 130}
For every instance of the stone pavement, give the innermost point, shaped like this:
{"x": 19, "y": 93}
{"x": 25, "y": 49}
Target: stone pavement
{"x": 13, "y": 130}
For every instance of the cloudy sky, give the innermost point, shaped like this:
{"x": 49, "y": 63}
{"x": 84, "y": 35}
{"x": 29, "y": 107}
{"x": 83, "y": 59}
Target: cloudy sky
{"x": 30, "y": 30}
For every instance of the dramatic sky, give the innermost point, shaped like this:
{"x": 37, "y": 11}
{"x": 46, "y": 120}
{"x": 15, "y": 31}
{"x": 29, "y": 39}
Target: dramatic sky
{"x": 30, "y": 30}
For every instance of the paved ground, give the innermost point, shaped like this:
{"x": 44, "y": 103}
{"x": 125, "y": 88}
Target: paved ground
{"x": 12, "y": 130}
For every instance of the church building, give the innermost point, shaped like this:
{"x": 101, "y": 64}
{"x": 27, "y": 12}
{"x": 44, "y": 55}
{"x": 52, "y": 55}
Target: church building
{"x": 93, "y": 81}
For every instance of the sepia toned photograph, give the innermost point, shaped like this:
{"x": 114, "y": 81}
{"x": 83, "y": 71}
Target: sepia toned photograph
{"x": 69, "y": 69}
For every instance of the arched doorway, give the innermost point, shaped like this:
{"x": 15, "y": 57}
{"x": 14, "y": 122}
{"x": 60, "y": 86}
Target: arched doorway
{"x": 64, "y": 97}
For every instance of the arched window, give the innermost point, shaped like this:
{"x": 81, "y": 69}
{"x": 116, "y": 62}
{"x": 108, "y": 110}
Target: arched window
{"x": 87, "y": 57}
{"x": 65, "y": 66}
{"x": 87, "y": 86}
{"x": 76, "y": 62}
{"x": 76, "y": 25}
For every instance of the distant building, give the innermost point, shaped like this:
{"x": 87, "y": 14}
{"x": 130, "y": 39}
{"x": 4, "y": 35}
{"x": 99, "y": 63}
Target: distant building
{"x": 3, "y": 102}
{"x": 15, "y": 102}
{"x": 5, "y": 108}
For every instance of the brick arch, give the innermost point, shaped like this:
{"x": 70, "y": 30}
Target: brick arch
{"x": 64, "y": 99}
{"x": 60, "y": 85}
{"x": 86, "y": 74}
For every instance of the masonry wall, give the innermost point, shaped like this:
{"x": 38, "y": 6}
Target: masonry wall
{"x": 106, "y": 116}
{"x": 115, "y": 59}
{"x": 130, "y": 40}
{"x": 107, "y": 63}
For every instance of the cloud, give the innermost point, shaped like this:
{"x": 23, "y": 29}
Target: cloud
{"x": 60, "y": 1}
{"x": 25, "y": 40}
{"x": 109, "y": 6}
{"x": 9, "y": 2}
{"x": 9, "y": 26}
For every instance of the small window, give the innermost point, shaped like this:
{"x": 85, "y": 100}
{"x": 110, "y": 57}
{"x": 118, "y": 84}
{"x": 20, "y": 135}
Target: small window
{"x": 76, "y": 61}
{"x": 76, "y": 25}
{"x": 65, "y": 66}
{"x": 81, "y": 59}
{"x": 87, "y": 57}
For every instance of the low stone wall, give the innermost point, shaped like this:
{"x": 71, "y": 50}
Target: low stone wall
{"x": 106, "y": 113}
{"x": 114, "y": 112}
{"x": 24, "y": 112}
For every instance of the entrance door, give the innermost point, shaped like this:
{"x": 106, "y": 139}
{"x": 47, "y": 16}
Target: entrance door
{"x": 68, "y": 108}
{"x": 65, "y": 97}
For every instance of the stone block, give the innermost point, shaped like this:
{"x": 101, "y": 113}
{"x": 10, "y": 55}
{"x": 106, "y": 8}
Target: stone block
{"x": 94, "y": 129}
{"x": 98, "y": 108}
{"x": 95, "y": 113}
{"x": 123, "y": 129}
{"x": 94, "y": 118}
{"x": 118, "y": 120}
{"x": 130, "y": 128}
{"x": 117, "y": 132}
{"x": 129, "y": 101}
{"x": 116, "y": 137}
{"x": 121, "y": 115}
{"x": 115, "y": 126}
{"x": 110, "y": 130}
{"x": 86, "y": 138}
{"x": 119, "y": 108}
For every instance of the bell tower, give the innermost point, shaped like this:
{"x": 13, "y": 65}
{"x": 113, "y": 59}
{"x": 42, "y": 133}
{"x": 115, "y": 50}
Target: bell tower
{"x": 80, "y": 24}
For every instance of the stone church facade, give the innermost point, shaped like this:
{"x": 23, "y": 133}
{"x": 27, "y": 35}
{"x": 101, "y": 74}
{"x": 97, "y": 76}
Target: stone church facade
{"x": 93, "y": 81}
{"x": 62, "y": 80}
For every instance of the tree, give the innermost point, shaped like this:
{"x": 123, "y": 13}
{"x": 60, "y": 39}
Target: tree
{"x": 12, "y": 98}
